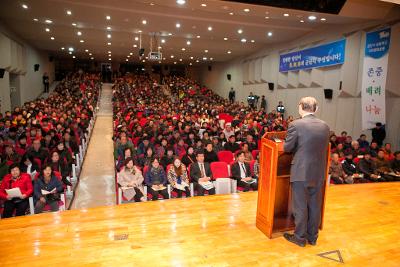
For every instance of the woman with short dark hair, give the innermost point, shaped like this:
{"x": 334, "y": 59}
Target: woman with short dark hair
{"x": 156, "y": 180}
{"x": 130, "y": 179}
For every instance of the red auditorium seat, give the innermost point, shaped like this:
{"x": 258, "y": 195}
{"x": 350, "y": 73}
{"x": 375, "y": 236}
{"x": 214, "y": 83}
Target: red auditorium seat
{"x": 254, "y": 153}
{"x": 225, "y": 156}
{"x": 219, "y": 169}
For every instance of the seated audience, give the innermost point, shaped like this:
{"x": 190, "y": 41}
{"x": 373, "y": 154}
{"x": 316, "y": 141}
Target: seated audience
{"x": 22, "y": 181}
{"x": 47, "y": 190}
{"x": 383, "y": 167}
{"x": 189, "y": 157}
{"x": 396, "y": 163}
{"x": 209, "y": 154}
{"x": 200, "y": 174}
{"x": 364, "y": 144}
{"x": 60, "y": 165}
{"x": 242, "y": 174}
{"x": 368, "y": 168}
{"x": 168, "y": 158}
{"x": 178, "y": 178}
{"x": 130, "y": 179}
{"x": 156, "y": 180}
{"x": 231, "y": 145}
{"x": 338, "y": 175}
{"x": 350, "y": 168}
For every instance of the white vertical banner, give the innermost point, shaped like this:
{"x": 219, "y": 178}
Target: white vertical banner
{"x": 373, "y": 102}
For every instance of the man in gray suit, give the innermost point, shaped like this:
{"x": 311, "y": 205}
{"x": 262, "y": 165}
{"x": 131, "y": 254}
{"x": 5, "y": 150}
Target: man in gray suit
{"x": 308, "y": 139}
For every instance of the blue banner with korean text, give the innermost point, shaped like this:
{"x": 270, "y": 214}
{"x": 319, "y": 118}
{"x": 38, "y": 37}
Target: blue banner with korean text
{"x": 314, "y": 57}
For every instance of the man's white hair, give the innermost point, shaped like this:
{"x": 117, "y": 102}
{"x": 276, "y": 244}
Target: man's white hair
{"x": 309, "y": 104}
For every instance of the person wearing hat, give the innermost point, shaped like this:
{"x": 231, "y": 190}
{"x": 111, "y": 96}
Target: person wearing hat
{"x": 367, "y": 167}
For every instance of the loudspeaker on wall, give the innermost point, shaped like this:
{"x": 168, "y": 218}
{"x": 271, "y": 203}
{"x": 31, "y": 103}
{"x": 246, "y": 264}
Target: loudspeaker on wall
{"x": 328, "y": 93}
{"x": 229, "y": 77}
{"x": 36, "y": 67}
{"x": 2, "y": 73}
{"x": 271, "y": 86}
{"x": 209, "y": 68}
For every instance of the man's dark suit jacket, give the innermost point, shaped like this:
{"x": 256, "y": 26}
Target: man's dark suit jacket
{"x": 235, "y": 171}
{"x": 308, "y": 139}
{"x": 195, "y": 173}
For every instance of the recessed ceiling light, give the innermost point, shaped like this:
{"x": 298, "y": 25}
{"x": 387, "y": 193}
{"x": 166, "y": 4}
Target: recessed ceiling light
{"x": 108, "y": 17}
{"x": 126, "y": 60}
{"x": 225, "y": 38}
{"x": 178, "y": 25}
{"x": 108, "y": 28}
{"x": 302, "y": 21}
{"x": 159, "y": 47}
{"x": 70, "y": 52}
{"x": 229, "y": 52}
{"x": 252, "y": 41}
{"x": 71, "y": 49}
{"x": 203, "y": 5}
{"x": 175, "y": 62}
{"x": 172, "y": 56}
{"x": 90, "y": 54}
{"x": 143, "y": 61}
{"x": 181, "y": 2}
{"x": 136, "y": 38}
{"x": 286, "y": 15}
{"x": 312, "y": 17}
{"x": 69, "y": 12}
{"x": 206, "y": 51}
{"x": 139, "y": 31}
{"x": 152, "y": 4}
{"x": 24, "y": 6}
{"x": 188, "y": 42}
{"x": 109, "y": 52}
{"x": 209, "y": 28}
{"x": 62, "y": 48}
{"x": 73, "y": 56}
{"x": 211, "y": 58}
{"x": 108, "y": 43}
{"x": 163, "y": 41}
{"x": 109, "y": 59}
{"x": 79, "y": 33}
{"x": 198, "y": 36}
{"x": 243, "y": 40}
{"x": 82, "y": 41}
{"x": 52, "y": 38}
{"x": 144, "y": 22}
{"x": 240, "y": 31}
{"x": 108, "y": 36}
{"x": 323, "y": 19}
{"x": 246, "y": 10}
{"x": 191, "y": 57}
{"x": 47, "y": 29}
{"x": 269, "y": 34}
{"x": 73, "y": 24}
{"x": 183, "y": 49}
{"x": 266, "y": 17}
{"x": 190, "y": 64}
{"x": 131, "y": 53}
{"x": 35, "y": 19}
{"x": 48, "y": 21}
{"x": 180, "y": 59}
{"x": 135, "y": 45}
{"x": 86, "y": 50}
{"x": 204, "y": 58}
{"x": 231, "y": 13}
{"x": 92, "y": 58}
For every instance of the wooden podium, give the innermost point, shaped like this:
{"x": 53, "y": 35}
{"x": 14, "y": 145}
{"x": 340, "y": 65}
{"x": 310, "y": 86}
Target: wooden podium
{"x": 274, "y": 212}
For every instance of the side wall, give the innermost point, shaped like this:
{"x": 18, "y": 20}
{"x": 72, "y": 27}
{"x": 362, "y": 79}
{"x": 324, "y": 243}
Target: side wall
{"x": 19, "y": 58}
{"x": 343, "y": 112}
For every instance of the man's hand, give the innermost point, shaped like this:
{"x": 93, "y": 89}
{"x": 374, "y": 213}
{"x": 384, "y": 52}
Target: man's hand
{"x": 23, "y": 196}
{"x": 42, "y": 199}
{"x": 9, "y": 197}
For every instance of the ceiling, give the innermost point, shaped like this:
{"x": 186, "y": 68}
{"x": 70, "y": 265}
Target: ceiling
{"x": 195, "y": 17}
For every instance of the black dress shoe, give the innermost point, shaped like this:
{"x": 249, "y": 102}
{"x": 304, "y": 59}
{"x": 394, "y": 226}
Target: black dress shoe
{"x": 294, "y": 240}
{"x": 312, "y": 243}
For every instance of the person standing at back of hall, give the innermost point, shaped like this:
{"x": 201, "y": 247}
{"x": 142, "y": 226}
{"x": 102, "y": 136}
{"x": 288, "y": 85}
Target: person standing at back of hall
{"x": 232, "y": 95}
{"x": 46, "y": 82}
{"x": 308, "y": 139}
{"x": 281, "y": 109}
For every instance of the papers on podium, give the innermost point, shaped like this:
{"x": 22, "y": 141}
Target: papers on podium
{"x": 45, "y": 192}
{"x": 14, "y": 192}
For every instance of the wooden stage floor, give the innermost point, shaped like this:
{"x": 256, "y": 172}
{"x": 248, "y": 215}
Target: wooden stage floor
{"x": 362, "y": 222}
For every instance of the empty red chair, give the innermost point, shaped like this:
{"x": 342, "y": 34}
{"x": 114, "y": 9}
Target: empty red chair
{"x": 219, "y": 169}
{"x": 225, "y": 156}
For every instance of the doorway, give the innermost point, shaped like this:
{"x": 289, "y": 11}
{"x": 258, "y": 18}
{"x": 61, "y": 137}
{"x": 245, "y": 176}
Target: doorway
{"x": 15, "y": 93}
